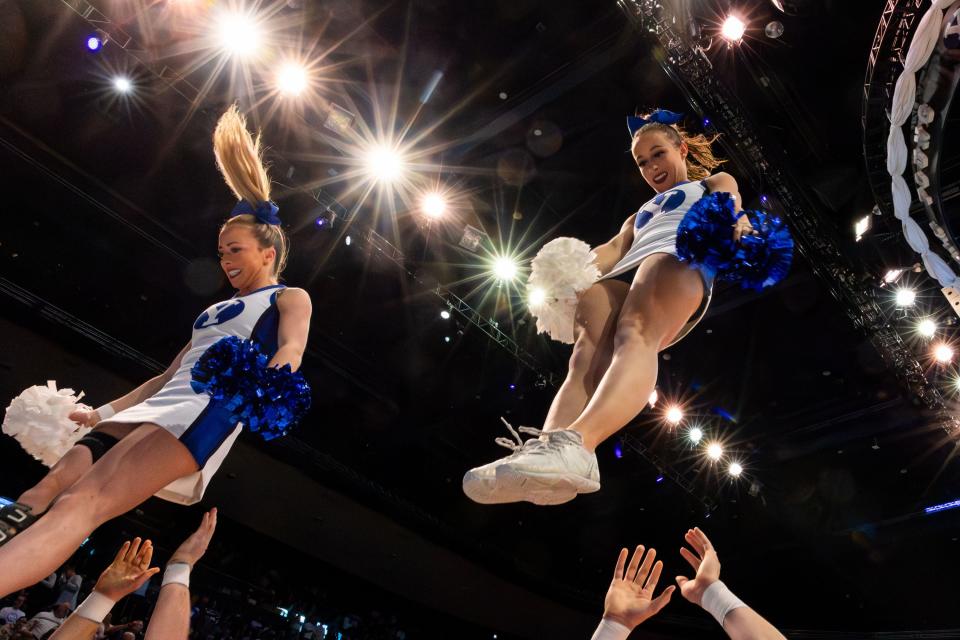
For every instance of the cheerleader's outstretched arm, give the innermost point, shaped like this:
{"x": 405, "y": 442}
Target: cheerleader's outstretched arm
{"x": 295, "y": 311}
{"x": 610, "y": 253}
{"x": 723, "y": 181}
{"x": 138, "y": 395}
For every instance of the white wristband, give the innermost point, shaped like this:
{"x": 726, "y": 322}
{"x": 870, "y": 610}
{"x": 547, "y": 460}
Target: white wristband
{"x": 610, "y": 630}
{"x": 95, "y": 607}
{"x": 105, "y": 411}
{"x": 176, "y": 573}
{"x": 718, "y": 601}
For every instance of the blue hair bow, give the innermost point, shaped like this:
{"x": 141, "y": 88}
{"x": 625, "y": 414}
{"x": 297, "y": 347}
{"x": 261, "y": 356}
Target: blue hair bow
{"x": 660, "y": 115}
{"x": 265, "y": 212}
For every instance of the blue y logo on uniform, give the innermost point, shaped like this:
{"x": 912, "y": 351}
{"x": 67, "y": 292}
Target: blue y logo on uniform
{"x": 663, "y": 203}
{"x": 219, "y": 314}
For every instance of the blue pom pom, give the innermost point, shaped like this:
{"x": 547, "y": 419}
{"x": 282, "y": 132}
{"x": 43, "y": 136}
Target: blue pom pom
{"x": 705, "y": 240}
{"x": 705, "y": 235}
{"x": 763, "y": 259}
{"x": 267, "y": 400}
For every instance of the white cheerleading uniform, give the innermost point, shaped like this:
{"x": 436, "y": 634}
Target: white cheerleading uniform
{"x": 655, "y": 231}
{"x": 206, "y": 428}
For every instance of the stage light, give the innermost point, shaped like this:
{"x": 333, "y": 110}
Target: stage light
{"x": 292, "y": 79}
{"x": 122, "y": 84}
{"x": 906, "y": 297}
{"x": 695, "y": 435}
{"x": 927, "y": 328}
{"x": 433, "y": 206}
{"x": 774, "y": 29}
{"x": 617, "y": 450}
{"x": 652, "y": 400}
{"x": 953, "y": 504}
{"x": 733, "y": 29}
{"x": 505, "y": 268}
{"x": 537, "y": 296}
{"x": 384, "y": 164}
{"x": 860, "y": 227}
{"x": 239, "y": 35}
{"x": 446, "y": 338}
{"x": 943, "y": 353}
{"x": 674, "y": 415}
{"x": 714, "y": 451}
{"x": 445, "y": 314}
{"x": 735, "y": 469}
{"x": 347, "y": 240}
{"x": 892, "y": 276}
{"x": 659, "y": 479}
{"x": 94, "y": 43}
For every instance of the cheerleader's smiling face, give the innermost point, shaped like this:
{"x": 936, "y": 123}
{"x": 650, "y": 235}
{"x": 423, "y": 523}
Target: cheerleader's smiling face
{"x": 247, "y": 265}
{"x": 662, "y": 161}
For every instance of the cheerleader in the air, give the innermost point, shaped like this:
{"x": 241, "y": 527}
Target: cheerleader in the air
{"x": 635, "y": 297}
{"x": 168, "y": 436}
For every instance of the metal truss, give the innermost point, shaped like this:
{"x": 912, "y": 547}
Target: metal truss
{"x": 50, "y": 311}
{"x": 458, "y": 305}
{"x": 668, "y": 471}
{"x": 884, "y": 64}
{"x": 764, "y": 165}
{"x": 114, "y": 33}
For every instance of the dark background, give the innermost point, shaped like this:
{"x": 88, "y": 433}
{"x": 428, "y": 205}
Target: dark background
{"x": 110, "y": 215}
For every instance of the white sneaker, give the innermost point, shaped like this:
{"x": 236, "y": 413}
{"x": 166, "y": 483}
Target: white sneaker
{"x": 552, "y": 472}
{"x": 480, "y": 483}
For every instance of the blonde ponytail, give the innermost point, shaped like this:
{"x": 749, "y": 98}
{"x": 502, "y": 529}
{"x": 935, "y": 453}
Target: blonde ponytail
{"x": 240, "y": 158}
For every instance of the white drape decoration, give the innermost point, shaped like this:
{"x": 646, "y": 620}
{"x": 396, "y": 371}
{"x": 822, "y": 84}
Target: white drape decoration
{"x": 904, "y": 97}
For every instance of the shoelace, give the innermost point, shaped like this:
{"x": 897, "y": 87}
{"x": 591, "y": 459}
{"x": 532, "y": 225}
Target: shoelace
{"x": 507, "y": 443}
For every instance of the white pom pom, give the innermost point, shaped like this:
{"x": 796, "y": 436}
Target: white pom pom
{"x": 563, "y": 268}
{"x": 37, "y": 418}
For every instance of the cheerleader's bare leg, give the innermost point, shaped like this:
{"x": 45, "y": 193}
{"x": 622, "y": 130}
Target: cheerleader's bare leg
{"x": 71, "y": 467}
{"x": 664, "y": 295}
{"x": 596, "y": 322}
{"x": 132, "y": 471}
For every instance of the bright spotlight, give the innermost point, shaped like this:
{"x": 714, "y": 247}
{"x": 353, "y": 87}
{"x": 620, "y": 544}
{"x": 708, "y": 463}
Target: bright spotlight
{"x": 239, "y": 35}
{"x": 433, "y": 205}
{"x": 94, "y": 43}
{"x": 695, "y": 434}
{"x": 906, "y": 297}
{"x": 674, "y": 415}
{"x": 892, "y": 275}
{"x": 927, "y": 328}
{"x": 292, "y": 79}
{"x": 943, "y": 353}
{"x": 505, "y": 268}
{"x": 537, "y": 296}
{"x": 714, "y": 451}
{"x": 122, "y": 84}
{"x": 735, "y": 469}
{"x": 733, "y": 29}
{"x": 445, "y": 314}
{"x": 860, "y": 228}
{"x": 384, "y": 164}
